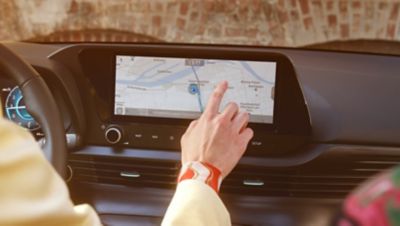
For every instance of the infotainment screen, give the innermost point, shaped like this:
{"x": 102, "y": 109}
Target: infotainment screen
{"x": 167, "y": 87}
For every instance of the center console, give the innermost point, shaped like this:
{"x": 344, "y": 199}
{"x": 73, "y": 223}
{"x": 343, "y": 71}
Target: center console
{"x": 146, "y": 95}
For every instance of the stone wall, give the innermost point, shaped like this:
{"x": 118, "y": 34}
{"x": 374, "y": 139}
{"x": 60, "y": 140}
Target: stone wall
{"x": 254, "y": 22}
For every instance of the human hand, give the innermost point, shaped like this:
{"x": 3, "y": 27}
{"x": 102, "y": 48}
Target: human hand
{"x": 219, "y": 139}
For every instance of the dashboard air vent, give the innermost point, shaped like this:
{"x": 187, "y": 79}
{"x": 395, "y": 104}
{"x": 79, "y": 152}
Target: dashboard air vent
{"x": 123, "y": 171}
{"x": 328, "y": 176}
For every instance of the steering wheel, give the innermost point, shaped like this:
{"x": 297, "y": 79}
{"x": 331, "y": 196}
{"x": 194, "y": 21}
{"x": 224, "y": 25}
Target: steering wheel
{"x": 40, "y": 104}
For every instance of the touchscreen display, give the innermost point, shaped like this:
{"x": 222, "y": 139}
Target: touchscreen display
{"x": 167, "y": 87}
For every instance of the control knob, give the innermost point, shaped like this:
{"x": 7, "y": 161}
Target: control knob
{"x": 113, "y": 135}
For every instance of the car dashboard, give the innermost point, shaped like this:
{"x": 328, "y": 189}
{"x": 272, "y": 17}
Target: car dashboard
{"x": 324, "y": 122}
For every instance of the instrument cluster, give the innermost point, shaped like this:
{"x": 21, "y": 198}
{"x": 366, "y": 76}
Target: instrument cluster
{"x": 14, "y": 108}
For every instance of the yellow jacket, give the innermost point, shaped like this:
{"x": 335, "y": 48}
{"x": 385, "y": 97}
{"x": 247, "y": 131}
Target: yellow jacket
{"x": 32, "y": 193}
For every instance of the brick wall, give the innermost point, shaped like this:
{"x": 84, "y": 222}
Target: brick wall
{"x": 259, "y": 22}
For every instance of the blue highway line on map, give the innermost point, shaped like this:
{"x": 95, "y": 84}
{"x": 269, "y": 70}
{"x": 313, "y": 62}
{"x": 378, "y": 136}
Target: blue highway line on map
{"x": 169, "y": 79}
{"x": 182, "y": 74}
{"x": 148, "y": 70}
{"x": 198, "y": 89}
{"x": 252, "y": 72}
{"x": 156, "y": 73}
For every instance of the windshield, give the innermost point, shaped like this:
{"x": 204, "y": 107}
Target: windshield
{"x": 349, "y": 25}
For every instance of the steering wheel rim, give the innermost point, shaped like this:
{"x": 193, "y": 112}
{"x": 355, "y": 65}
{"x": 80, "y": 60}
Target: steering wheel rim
{"x": 40, "y": 104}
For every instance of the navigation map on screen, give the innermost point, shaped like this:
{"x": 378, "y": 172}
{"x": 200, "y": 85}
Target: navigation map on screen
{"x": 180, "y": 87}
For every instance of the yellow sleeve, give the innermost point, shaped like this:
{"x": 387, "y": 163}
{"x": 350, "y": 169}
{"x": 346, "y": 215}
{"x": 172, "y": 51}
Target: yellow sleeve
{"x": 196, "y": 204}
{"x": 31, "y": 192}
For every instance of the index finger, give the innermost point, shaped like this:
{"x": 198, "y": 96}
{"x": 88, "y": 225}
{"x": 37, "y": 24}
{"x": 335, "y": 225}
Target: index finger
{"x": 216, "y": 98}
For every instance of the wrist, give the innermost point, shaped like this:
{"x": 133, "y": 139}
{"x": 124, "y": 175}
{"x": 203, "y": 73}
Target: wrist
{"x": 201, "y": 171}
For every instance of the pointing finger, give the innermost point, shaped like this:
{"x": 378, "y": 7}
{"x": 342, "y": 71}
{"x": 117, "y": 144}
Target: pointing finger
{"x": 215, "y": 99}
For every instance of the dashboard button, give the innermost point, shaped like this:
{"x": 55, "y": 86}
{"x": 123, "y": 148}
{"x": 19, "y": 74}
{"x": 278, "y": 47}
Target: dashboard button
{"x": 137, "y": 135}
{"x": 256, "y": 143}
{"x": 113, "y": 135}
{"x": 129, "y": 174}
{"x": 257, "y": 183}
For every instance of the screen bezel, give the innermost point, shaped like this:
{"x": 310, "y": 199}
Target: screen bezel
{"x": 292, "y": 121}
{"x": 183, "y": 121}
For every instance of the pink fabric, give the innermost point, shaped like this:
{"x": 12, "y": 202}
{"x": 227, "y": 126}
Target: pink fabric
{"x": 375, "y": 203}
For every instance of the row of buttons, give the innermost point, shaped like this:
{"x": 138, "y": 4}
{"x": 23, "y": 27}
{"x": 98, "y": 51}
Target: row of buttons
{"x": 153, "y": 136}
{"x": 145, "y": 139}
{"x": 148, "y": 138}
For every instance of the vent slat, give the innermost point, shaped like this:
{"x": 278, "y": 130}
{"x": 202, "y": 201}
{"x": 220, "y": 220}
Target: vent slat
{"x": 292, "y": 190}
{"x": 105, "y": 170}
{"x": 119, "y": 165}
{"x": 138, "y": 180}
{"x": 299, "y": 183}
{"x": 101, "y": 173}
{"x": 296, "y": 175}
{"x": 112, "y": 180}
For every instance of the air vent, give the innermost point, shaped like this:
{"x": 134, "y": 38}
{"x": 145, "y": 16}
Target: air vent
{"x": 124, "y": 171}
{"x": 328, "y": 176}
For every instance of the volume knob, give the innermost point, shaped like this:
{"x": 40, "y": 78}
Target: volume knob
{"x": 113, "y": 135}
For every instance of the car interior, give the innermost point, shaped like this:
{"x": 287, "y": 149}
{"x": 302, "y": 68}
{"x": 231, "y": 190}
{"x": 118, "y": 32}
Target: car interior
{"x": 109, "y": 117}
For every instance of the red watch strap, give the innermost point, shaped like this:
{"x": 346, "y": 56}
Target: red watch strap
{"x": 203, "y": 172}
